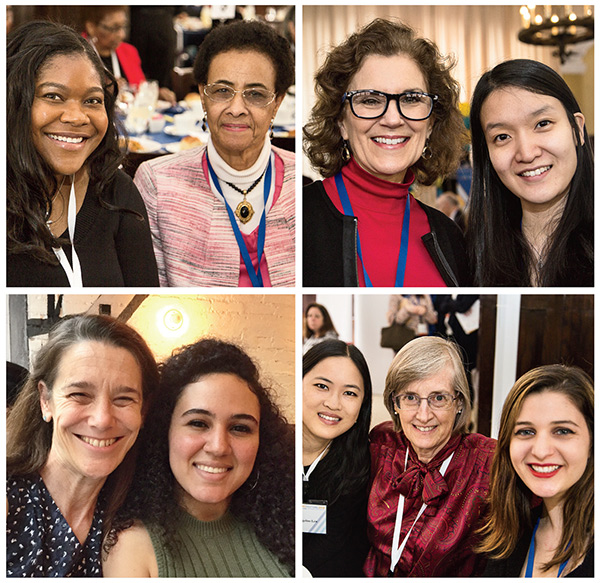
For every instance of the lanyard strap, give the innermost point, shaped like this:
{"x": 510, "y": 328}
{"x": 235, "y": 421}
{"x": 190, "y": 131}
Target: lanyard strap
{"x": 397, "y": 548}
{"x": 531, "y": 555}
{"x": 74, "y": 272}
{"x": 255, "y": 275}
{"x": 115, "y": 65}
{"x": 402, "y": 255}
{"x": 312, "y": 466}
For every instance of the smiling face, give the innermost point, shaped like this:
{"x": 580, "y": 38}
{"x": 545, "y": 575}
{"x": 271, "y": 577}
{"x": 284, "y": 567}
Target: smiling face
{"x": 531, "y": 145}
{"x": 387, "y": 146}
{"x": 550, "y": 445}
{"x": 213, "y": 442}
{"x": 314, "y": 319}
{"x": 95, "y": 407}
{"x": 427, "y": 429}
{"x": 332, "y": 394}
{"x": 68, "y": 117}
{"x": 238, "y": 130}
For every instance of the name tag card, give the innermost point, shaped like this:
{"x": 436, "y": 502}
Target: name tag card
{"x": 314, "y": 518}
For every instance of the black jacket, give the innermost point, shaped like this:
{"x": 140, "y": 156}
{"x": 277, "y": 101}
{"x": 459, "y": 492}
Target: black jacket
{"x": 329, "y": 244}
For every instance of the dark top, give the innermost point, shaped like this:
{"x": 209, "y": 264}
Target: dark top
{"x": 39, "y": 541}
{"x": 114, "y": 246}
{"x": 513, "y": 565}
{"x": 329, "y": 244}
{"x": 342, "y": 551}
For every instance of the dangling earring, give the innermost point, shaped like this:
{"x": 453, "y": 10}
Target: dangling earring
{"x": 271, "y": 128}
{"x": 346, "y": 152}
{"x": 427, "y": 153}
{"x": 204, "y": 126}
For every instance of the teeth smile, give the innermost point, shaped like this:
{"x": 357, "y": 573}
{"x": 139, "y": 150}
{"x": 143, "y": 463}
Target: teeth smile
{"x": 328, "y": 418}
{"x": 544, "y": 469}
{"x": 211, "y": 469}
{"x": 97, "y": 442}
{"x": 66, "y": 139}
{"x": 390, "y": 141}
{"x": 537, "y": 172}
{"x": 424, "y": 429}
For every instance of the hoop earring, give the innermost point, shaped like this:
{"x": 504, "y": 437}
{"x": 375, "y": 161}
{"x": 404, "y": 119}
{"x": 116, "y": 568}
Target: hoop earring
{"x": 346, "y": 152}
{"x": 204, "y": 125}
{"x": 427, "y": 153}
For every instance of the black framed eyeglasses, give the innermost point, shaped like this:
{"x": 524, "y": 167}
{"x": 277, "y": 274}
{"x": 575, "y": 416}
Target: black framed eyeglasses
{"x": 412, "y": 401}
{"x": 256, "y": 96}
{"x": 371, "y": 104}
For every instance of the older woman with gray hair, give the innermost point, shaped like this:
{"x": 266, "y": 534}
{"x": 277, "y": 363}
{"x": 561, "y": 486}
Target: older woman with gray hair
{"x": 430, "y": 477}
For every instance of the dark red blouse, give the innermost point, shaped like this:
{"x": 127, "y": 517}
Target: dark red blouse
{"x": 441, "y": 542}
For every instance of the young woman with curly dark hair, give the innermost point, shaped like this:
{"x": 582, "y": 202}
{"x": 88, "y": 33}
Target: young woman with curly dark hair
{"x": 214, "y": 496}
{"x": 336, "y": 415}
{"x": 63, "y": 169}
{"x": 386, "y": 115}
{"x": 531, "y": 210}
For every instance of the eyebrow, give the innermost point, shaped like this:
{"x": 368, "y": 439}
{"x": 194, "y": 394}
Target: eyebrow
{"x": 237, "y": 416}
{"x": 92, "y": 387}
{"x": 348, "y": 385}
{"x": 536, "y": 113}
{"x": 65, "y": 88}
{"x": 248, "y": 85}
{"x": 565, "y": 422}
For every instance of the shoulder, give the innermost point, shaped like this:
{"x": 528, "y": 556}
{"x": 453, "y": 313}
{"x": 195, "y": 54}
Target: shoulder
{"x": 385, "y": 435}
{"x": 289, "y": 158}
{"x": 478, "y": 449}
{"x": 127, "y": 49}
{"x": 132, "y": 556}
{"x": 438, "y": 220}
{"x": 186, "y": 160}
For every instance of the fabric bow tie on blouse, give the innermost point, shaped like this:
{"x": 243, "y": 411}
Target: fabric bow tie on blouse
{"x": 424, "y": 480}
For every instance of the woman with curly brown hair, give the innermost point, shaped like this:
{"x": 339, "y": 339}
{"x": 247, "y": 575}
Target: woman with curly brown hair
{"x": 386, "y": 115}
{"x": 215, "y": 494}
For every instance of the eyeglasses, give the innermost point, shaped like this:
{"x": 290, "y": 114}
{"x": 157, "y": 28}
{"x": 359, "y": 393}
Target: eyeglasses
{"x": 412, "y": 401}
{"x": 371, "y": 104}
{"x": 115, "y": 29}
{"x": 254, "y": 96}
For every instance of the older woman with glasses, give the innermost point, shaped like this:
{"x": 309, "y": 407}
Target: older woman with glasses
{"x": 386, "y": 115}
{"x": 224, "y": 215}
{"x": 429, "y": 476}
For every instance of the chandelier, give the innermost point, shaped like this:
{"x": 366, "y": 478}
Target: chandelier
{"x": 557, "y": 26}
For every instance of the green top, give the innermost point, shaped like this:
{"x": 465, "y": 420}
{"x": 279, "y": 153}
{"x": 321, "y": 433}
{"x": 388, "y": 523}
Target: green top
{"x": 226, "y": 547}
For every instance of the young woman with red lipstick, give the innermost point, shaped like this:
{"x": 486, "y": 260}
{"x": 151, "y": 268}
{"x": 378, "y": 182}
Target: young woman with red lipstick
{"x": 71, "y": 445}
{"x": 541, "y": 518}
{"x": 73, "y": 218}
{"x": 531, "y": 210}
{"x": 386, "y": 116}
{"x": 215, "y": 494}
{"x": 429, "y": 477}
{"x": 336, "y": 415}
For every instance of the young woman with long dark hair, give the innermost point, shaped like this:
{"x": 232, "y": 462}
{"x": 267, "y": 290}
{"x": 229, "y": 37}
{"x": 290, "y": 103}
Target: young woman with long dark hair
{"x": 531, "y": 210}
{"x": 336, "y": 415}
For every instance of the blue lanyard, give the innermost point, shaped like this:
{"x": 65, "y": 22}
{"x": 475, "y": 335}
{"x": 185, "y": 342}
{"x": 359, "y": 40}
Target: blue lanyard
{"x": 255, "y": 275}
{"x": 531, "y": 555}
{"x": 343, "y": 193}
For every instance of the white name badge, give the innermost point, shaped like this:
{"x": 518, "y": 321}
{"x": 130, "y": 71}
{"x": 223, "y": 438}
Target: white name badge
{"x": 422, "y": 329}
{"x": 314, "y": 518}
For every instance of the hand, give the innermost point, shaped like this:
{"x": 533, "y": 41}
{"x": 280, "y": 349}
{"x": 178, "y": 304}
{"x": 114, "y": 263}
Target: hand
{"x": 167, "y": 95}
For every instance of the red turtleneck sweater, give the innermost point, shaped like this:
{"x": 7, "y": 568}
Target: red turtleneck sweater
{"x": 379, "y": 207}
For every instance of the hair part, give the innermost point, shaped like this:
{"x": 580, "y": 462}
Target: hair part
{"x": 323, "y": 142}
{"x": 247, "y": 36}
{"x": 420, "y": 359}
{"x": 347, "y": 463}
{"x": 511, "y": 500}
{"x": 31, "y": 182}
{"x": 494, "y": 212}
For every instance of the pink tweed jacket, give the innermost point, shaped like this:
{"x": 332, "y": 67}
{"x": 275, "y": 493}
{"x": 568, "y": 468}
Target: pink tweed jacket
{"x": 193, "y": 240}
